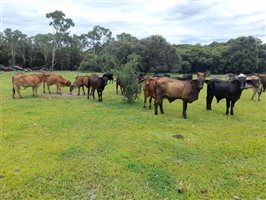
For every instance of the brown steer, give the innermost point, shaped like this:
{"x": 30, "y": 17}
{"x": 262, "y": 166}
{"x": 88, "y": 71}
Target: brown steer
{"x": 172, "y": 89}
{"x": 80, "y": 81}
{"x": 22, "y": 80}
{"x": 149, "y": 89}
{"x": 57, "y": 80}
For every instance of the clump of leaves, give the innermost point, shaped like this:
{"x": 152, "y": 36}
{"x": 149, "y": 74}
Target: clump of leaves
{"x": 130, "y": 81}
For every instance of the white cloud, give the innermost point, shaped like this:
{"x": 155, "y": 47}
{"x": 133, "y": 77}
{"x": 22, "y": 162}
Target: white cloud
{"x": 192, "y": 21}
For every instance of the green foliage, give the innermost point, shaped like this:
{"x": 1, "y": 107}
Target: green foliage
{"x": 129, "y": 79}
{"x": 157, "y": 55}
{"x": 97, "y": 39}
{"x": 98, "y": 51}
{"x": 90, "y": 62}
{"x": 242, "y": 55}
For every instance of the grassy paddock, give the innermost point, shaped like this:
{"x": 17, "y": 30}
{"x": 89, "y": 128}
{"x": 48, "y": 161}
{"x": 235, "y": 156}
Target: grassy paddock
{"x": 73, "y": 148}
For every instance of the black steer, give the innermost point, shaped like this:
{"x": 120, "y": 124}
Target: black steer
{"x": 230, "y": 90}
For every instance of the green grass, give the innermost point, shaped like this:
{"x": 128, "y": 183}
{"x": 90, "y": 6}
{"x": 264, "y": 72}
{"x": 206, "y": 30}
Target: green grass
{"x": 73, "y": 148}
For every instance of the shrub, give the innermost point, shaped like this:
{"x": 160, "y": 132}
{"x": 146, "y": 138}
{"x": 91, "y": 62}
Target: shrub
{"x": 129, "y": 79}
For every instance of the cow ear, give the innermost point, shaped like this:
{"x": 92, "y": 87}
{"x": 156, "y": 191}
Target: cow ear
{"x": 206, "y": 81}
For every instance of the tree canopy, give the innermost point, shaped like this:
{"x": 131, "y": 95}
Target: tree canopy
{"x": 98, "y": 50}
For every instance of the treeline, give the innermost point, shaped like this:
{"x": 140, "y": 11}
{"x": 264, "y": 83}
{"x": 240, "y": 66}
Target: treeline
{"x": 100, "y": 51}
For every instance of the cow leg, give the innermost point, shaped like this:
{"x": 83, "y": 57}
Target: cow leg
{"x": 92, "y": 92}
{"x": 48, "y": 86}
{"x": 121, "y": 89}
{"x": 18, "y": 91}
{"x": 79, "y": 90}
{"x": 83, "y": 89}
{"x": 155, "y": 107}
{"x": 145, "y": 100}
{"x": 36, "y": 88}
{"x": 59, "y": 89}
{"x": 161, "y": 106}
{"x": 227, "y": 106}
{"x": 255, "y": 90}
{"x": 88, "y": 94}
{"x": 13, "y": 92}
{"x": 116, "y": 88}
{"x": 99, "y": 95}
{"x": 33, "y": 91}
{"x": 232, "y": 108}
{"x": 43, "y": 87}
{"x": 209, "y": 99}
{"x": 259, "y": 94}
{"x": 150, "y": 102}
{"x": 184, "y": 109}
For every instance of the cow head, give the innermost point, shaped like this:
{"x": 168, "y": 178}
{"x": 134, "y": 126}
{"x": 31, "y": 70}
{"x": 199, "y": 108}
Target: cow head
{"x": 241, "y": 81}
{"x": 146, "y": 81}
{"x": 199, "y": 81}
{"x": 71, "y": 88}
{"x": 105, "y": 80}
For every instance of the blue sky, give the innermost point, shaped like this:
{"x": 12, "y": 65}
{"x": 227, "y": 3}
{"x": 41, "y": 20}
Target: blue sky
{"x": 179, "y": 21}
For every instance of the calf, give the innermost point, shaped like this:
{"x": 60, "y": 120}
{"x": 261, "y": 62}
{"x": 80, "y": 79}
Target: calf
{"x": 22, "y": 80}
{"x": 172, "y": 89}
{"x": 57, "y": 80}
{"x": 96, "y": 83}
{"x": 149, "y": 89}
{"x": 230, "y": 90}
{"x": 80, "y": 82}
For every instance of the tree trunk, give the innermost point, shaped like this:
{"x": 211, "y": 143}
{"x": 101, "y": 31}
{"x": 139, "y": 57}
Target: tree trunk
{"x": 53, "y": 58}
{"x": 13, "y": 54}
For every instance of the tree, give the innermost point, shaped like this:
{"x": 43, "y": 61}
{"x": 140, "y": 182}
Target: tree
{"x": 44, "y": 43}
{"x": 23, "y": 46}
{"x": 60, "y": 25}
{"x": 121, "y": 49}
{"x": 12, "y": 38}
{"x": 157, "y": 55}
{"x": 97, "y": 39}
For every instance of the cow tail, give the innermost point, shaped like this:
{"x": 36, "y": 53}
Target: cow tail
{"x": 13, "y": 89}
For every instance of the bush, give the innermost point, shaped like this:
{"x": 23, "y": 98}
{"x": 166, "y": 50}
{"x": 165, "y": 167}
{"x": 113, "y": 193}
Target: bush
{"x": 130, "y": 82}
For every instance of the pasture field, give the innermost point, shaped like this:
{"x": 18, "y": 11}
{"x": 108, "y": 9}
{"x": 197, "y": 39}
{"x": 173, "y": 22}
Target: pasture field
{"x": 68, "y": 147}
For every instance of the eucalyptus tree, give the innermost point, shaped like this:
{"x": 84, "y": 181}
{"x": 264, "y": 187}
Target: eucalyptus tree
{"x": 12, "y": 39}
{"x": 60, "y": 26}
{"x": 43, "y": 42}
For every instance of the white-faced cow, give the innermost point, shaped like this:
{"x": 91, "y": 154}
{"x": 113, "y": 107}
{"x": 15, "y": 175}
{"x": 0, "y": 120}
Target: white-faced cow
{"x": 230, "y": 90}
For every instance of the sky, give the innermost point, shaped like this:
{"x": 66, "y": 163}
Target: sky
{"x": 178, "y": 21}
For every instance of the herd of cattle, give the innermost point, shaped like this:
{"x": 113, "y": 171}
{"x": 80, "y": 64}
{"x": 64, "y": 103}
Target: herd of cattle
{"x": 155, "y": 87}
